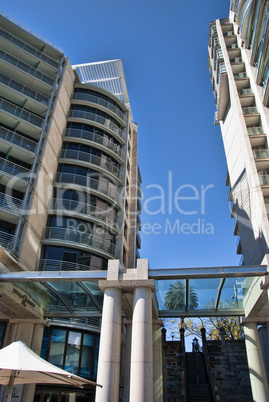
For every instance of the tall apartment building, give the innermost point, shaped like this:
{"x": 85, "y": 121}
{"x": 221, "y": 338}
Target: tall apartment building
{"x": 239, "y": 70}
{"x": 69, "y": 183}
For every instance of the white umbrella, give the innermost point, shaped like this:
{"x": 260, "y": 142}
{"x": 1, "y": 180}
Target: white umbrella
{"x": 20, "y": 365}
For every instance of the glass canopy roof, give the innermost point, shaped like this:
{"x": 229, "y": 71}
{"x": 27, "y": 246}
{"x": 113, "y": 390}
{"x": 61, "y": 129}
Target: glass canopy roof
{"x": 192, "y": 292}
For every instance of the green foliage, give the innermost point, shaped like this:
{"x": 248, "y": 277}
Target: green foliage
{"x": 175, "y": 297}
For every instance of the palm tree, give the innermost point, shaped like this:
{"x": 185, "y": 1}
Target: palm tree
{"x": 175, "y": 297}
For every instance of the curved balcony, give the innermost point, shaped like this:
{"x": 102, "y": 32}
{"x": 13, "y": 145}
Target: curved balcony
{"x": 99, "y": 139}
{"x": 18, "y": 139}
{"x": 21, "y": 113}
{"x": 81, "y": 238}
{"x": 59, "y": 265}
{"x": 107, "y": 123}
{"x": 107, "y": 216}
{"x": 13, "y": 169}
{"x": 99, "y": 101}
{"x": 101, "y": 185}
{"x": 95, "y": 160}
{"x": 11, "y": 203}
{"x": 21, "y": 65}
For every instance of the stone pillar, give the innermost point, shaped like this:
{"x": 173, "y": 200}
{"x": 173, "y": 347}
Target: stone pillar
{"x": 157, "y": 361}
{"x": 257, "y": 371}
{"x": 128, "y": 324}
{"x": 141, "y": 385}
{"x": 108, "y": 374}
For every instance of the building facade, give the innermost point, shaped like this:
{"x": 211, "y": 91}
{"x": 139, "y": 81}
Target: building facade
{"x": 69, "y": 185}
{"x": 239, "y": 71}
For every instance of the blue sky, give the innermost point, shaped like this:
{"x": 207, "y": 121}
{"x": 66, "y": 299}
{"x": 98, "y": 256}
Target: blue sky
{"x": 163, "y": 47}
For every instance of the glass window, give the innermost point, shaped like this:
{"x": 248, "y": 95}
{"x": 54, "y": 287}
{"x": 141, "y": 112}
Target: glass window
{"x": 73, "y": 352}
{"x": 57, "y": 347}
{"x": 87, "y": 356}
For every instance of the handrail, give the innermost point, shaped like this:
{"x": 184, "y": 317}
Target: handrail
{"x": 60, "y": 265}
{"x": 101, "y": 184}
{"x": 21, "y": 112}
{"x": 91, "y": 158}
{"x": 81, "y": 237}
{"x": 99, "y": 119}
{"x": 12, "y": 168}
{"x": 209, "y": 368}
{"x": 26, "y": 67}
{"x": 102, "y": 140}
{"x": 72, "y": 206}
{"x": 9, "y": 202}
{"x": 100, "y": 101}
{"x": 18, "y": 139}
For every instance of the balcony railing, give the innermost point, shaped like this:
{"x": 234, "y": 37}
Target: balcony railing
{"x": 99, "y": 119}
{"x": 82, "y": 238}
{"x": 18, "y": 139}
{"x": 264, "y": 179}
{"x": 100, "y": 101}
{"x": 103, "y": 140}
{"x": 261, "y": 153}
{"x": 255, "y": 130}
{"x": 26, "y": 67}
{"x": 236, "y": 60}
{"x": 24, "y": 89}
{"x": 21, "y": 113}
{"x": 247, "y": 91}
{"x": 232, "y": 46}
{"x": 249, "y": 110}
{"x": 90, "y": 158}
{"x": 7, "y": 240}
{"x": 240, "y": 75}
{"x": 59, "y": 265}
{"x": 13, "y": 168}
{"x": 101, "y": 184}
{"x": 106, "y": 215}
{"x": 12, "y": 203}
{"x": 28, "y": 48}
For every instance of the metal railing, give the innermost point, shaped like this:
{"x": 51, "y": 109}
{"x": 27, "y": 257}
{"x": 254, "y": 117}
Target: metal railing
{"x": 91, "y": 158}
{"x": 28, "y": 48}
{"x": 264, "y": 179}
{"x": 241, "y": 75}
{"x": 100, "y": 101}
{"x": 102, "y": 140}
{"x": 250, "y": 110}
{"x": 21, "y": 113}
{"x": 24, "y": 89}
{"x": 9, "y": 202}
{"x": 18, "y": 139}
{"x": 7, "y": 240}
{"x": 255, "y": 130}
{"x": 82, "y": 238}
{"x": 101, "y": 184}
{"x": 99, "y": 119}
{"x": 106, "y": 215}
{"x": 59, "y": 265}
{"x": 261, "y": 153}
{"x": 12, "y": 168}
{"x": 26, "y": 67}
{"x": 247, "y": 91}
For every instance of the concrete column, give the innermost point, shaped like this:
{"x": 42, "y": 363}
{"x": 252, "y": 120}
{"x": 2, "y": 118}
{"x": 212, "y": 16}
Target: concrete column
{"x": 141, "y": 385}
{"x": 157, "y": 361}
{"x": 127, "y": 360}
{"x": 108, "y": 374}
{"x": 257, "y": 371}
